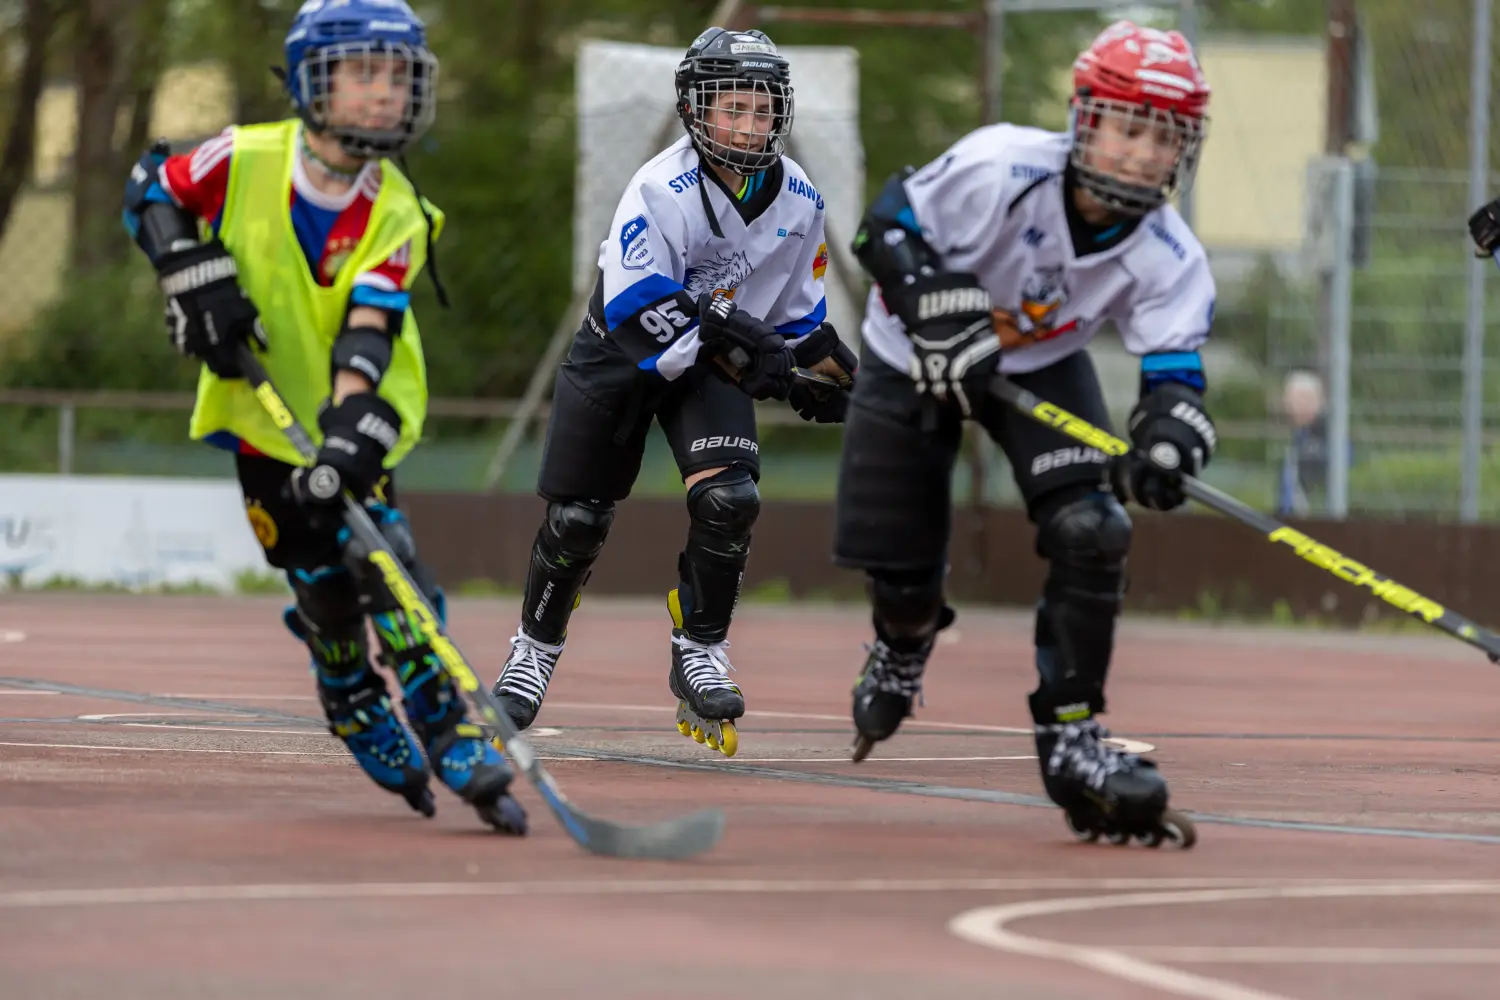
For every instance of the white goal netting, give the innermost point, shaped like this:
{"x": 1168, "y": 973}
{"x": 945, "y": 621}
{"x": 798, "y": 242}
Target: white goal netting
{"x": 625, "y": 117}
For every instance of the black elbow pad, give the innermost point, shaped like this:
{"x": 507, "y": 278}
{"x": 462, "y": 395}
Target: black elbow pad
{"x": 363, "y": 349}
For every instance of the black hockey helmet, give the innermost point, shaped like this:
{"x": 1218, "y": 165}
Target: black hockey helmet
{"x": 740, "y": 64}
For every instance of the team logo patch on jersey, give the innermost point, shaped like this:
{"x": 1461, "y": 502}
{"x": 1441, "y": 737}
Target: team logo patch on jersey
{"x": 263, "y": 525}
{"x": 719, "y": 276}
{"x": 635, "y": 244}
{"x": 335, "y": 255}
{"x": 820, "y": 262}
{"x": 1042, "y": 299}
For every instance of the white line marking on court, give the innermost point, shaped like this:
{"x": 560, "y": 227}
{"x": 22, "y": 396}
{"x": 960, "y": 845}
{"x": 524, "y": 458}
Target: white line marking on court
{"x": 12, "y": 635}
{"x": 1129, "y": 746}
{"x": 104, "y": 746}
{"x": 1318, "y": 956}
{"x": 228, "y": 729}
{"x": 15, "y": 693}
{"x": 242, "y": 697}
{"x": 987, "y": 926}
{"x": 873, "y": 760}
{"x": 107, "y": 716}
{"x": 341, "y": 891}
{"x": 564, "y": 758}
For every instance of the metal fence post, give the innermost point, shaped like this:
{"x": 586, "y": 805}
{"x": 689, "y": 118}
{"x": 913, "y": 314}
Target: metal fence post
{"x": 1340, "y": 314}
{"x": 1473, "y": 365}
{"x": 66, "y": 435}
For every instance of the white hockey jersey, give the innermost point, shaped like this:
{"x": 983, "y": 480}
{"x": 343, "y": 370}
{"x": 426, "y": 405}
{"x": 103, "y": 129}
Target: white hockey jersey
{"x": 662, "y": 243}
{"x": 993, "y": 205}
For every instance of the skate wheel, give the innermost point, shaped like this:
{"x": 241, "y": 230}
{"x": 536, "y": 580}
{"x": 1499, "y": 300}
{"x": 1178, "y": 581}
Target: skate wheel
{"x": 698, "y": 735}
{"x": 684, "y": 728}
{"x": 1117, "y": 837}
{"x": 862, "y": 747}
{"x": 729, "y": 741}
{"x": 505, "y": 815}
{"x": 1179, "y": 828}
{"x": 1086, "y": 834}
{"x": 711, "y": 739}
{"x": 1152, "y": 838}
{"x": 498, "y": 744}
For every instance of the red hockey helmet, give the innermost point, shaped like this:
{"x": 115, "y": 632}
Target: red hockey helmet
{"x": 1140, "y": 115}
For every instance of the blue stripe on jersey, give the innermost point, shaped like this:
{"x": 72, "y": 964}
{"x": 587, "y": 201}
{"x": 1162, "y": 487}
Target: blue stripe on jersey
{"x": 312, "y": 226}
{"x": 1173, "y": 360}
{"x": 379, "y": 298}
{"x": 1173, "y": 366}
{"x": 806, "y": 324}
{"x": 223, "y": 439}
{"x": 652, "y": 288}
{"x": 649, "y": 364}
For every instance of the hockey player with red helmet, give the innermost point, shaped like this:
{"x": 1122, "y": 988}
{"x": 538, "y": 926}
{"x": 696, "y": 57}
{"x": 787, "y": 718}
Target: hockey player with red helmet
{"x": 1008, "y": 253}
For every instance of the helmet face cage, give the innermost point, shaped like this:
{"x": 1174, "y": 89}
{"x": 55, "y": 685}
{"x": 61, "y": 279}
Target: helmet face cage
{"x": 375, "y": 98}
{"x": 738, "y": 123}
{"x": 1132, "y": 157}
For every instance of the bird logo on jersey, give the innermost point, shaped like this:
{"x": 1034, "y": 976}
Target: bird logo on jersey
{"x": 719, "y": 276}
{"x": 820, "y": 262}
{"x": 1042, "y": 299}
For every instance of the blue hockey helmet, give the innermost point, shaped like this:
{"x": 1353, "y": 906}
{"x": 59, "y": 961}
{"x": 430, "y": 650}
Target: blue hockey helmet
{"x": 378, "y": 50}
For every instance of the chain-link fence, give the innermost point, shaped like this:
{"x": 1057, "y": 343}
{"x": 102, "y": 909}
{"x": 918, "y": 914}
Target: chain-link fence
{"x": 1346, "y": 366}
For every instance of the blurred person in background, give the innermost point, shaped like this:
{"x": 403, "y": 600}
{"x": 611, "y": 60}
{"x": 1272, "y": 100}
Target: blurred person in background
{"x": 1304, "y": 468}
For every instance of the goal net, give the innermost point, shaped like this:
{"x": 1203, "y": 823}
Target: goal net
{"x": 626, "y": 116}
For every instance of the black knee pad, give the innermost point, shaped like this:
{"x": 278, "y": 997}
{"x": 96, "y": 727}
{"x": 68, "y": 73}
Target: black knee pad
{"x": 327, "y": 616}
{"x": 724, "y": 506}
{"x": 569, "y": 540}
{"x": 1085, "y": 537}
{"x": 722, "y": 510}
{"x": 908, "y": 607}
{"x": 577, "y": 529}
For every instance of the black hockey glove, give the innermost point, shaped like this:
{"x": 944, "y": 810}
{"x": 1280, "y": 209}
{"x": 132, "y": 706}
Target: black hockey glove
{"x": 823, "y": 404}
{"x": 1171, "y": 435}
{"x": 954, "y": 347}
{"x": 765, "y": 371}
{"x": 1484, "y": 227}
{"x": 357, "y": 435}
{"x": 207, "y": 314}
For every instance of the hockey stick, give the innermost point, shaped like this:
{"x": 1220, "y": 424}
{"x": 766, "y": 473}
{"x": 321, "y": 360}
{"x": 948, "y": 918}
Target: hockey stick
{"x": 672, "y": 839}
{"x": 736, "y": 361}
{"x": 1325, "y": 557}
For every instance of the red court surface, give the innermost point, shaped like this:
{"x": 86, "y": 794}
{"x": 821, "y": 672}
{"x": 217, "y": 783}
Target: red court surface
{"x": 1346, "y": 789}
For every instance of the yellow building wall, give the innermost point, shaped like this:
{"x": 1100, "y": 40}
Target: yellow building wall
{"x": 1267, "y": 119}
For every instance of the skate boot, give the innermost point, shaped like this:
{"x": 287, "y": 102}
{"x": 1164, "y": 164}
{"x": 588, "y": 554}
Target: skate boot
{"x": 524, "y": 679}
{"x": 708, "y": 702}
{"x": 461, "y": 755}
{"x": 884, "y": 692}
{"x": 358, "y": 707}
{"x": 1104, "y": 791}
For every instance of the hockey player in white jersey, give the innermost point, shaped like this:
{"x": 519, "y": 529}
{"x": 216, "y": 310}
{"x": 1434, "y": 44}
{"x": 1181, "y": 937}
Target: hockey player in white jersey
{"x": 1009, "y": 252}
{"x": 717, "y": 244}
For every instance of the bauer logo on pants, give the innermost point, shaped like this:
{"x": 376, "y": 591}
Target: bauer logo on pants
{"x": 725, "y": 441}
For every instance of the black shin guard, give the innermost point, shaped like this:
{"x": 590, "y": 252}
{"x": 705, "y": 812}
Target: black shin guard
{"x": 1086, "y": 539}
{"x": 722, "y": 509}
{"x": 564, "y": 551}
{"x": 326, "y": 616}
{"x": 908, "y": 608}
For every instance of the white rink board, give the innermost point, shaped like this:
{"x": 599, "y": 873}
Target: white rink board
{"x": 625, "y": 93}
{"x": 128, "y": 531}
